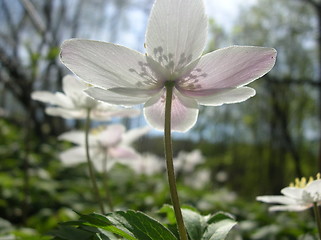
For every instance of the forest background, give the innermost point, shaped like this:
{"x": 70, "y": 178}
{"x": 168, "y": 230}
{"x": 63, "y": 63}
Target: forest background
{"x": 252, "y": 148}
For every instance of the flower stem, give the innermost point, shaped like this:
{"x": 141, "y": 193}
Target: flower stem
{"x": 317, "y": 217}
{"x": 169, "y": 162}
{"x": 90, "y": 166}
{"x": 105, "y": 181}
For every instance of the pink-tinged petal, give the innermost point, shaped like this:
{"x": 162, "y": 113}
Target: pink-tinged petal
{"x": 114, "y": 98}
{"x": 229, "y": 67}
{"x": 112, "y": 135}
{"x": 105, "y": 64}
{"x": 176, "y": 32}
{"x": 184, "y": 112}
{"x": 122, "y": 152}
{"x": 293, "y": 192}
{"x": 277, "y": 199}
{"x": 217, "y": 97}
{"x": 289, "y": 208}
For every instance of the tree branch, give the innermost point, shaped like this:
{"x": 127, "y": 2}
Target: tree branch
{"x": 292, "y": 81}
{"x": 34, "y": 16}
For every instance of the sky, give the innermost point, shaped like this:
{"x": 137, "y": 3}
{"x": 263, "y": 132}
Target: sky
{"x": 226, "y": 11}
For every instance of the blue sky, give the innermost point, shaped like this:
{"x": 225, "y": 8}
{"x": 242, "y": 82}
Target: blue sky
{"x": 226, "y": 11}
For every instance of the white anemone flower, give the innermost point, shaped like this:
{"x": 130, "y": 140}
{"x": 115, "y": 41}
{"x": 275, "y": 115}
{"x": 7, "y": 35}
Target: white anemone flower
{"x": 110, "y": 144}
{"x": 187, "y": 161}
{"x": 147, "y": 164}
{"x": 74, "y": 103}
{"x": 174, "y": 42}
{"x": 298, "y": 197}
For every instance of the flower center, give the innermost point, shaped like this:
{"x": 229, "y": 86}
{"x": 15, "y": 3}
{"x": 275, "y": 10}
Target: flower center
{"x": 97, "y": 130}
{"x": 191, "y": 81}
{"x": 173, "y": 64}
{"x": 145, "y": 71}
{"x": 301, "y": 183}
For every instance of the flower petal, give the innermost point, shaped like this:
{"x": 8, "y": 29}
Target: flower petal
{"x": 218, "y": 97}
{"x": 123, "y": 152}
{"x": 111, "y": 135}
{"x": 290, "y": 208}
{"x": 66, "y": 113}
{"x": 312, "y": 191}
{"x": 52, "y": 98}
{"x": 293, "y": 192}
{"x": 105, "y": 112}
{"x": 277, "y": 199}
{"x": 230, "y": 67}
{"x": 73, "y": 86}
{"x": 73, "y": 156}
{"x": 130, "y": 136}
{"x": 184, "y": 112}
{"x": 176, "y": 32}
{"x": 105, "y": 64}
{"x": 135, "y": 92}
{"x": 114, "y": 98}
{"x": 77, "y": 137}
{"x": 314, "y": 186}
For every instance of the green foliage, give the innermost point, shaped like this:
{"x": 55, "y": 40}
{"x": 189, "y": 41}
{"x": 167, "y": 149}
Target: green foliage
{"x": 210, "y": 227}
{"x": 133, "y": 225}
{"x": 130, "y": 225}
{"x": 53, "y": 53}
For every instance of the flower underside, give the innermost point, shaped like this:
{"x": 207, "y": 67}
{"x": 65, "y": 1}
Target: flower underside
{"x": 174, "y": 42}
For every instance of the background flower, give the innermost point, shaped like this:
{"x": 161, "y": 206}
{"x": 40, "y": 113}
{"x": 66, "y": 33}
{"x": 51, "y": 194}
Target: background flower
{"x": 186, "y": 162}
{"x": 111, "y": 143}
{"x": 146, "y": 164}
{"x": 74, "y": 103}
{"x": 296, "y": 198}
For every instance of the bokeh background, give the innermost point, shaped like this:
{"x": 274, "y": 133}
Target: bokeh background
{"x": 248, "y": 149}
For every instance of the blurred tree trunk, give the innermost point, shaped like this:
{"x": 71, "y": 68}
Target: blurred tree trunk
{"x": 318, "y": 10}
{"x": 317, "y": 7}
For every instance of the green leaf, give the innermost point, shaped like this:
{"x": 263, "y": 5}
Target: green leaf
{"x": 141, "y": 226}
{"x": 195, "y": 224}
{"x": 70, "y": 233}
{"x": 219, "y": 216}
{"x": 76, "y": 230}
{"x": 170, "y": 215}
{"x": 213, "y": 227}
{"x": 219, "y": 226}
{"x": 102, "y": 222}
{"x": 131, "y": 225}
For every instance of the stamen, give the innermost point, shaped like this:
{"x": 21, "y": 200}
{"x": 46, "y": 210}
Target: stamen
{"x": 97, "y": 130}
{"x": 301, "y": 183}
